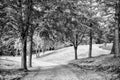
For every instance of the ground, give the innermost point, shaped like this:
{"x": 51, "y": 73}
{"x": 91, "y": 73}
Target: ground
{"x": 63, "y": 72}
{"x": 57, "y": 65}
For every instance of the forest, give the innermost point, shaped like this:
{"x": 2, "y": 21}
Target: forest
{"x": 59, "y": 39}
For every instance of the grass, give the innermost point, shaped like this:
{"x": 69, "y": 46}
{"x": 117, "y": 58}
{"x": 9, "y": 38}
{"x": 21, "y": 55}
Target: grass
{"x": 9, "y": 70}
{"x": 11, "y": 74}
{"x": 104, "y": 64}
{"x": 107, "y": 47}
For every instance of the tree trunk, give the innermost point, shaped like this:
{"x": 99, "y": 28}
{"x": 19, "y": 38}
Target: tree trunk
{"x": 30, "y": 53}
{"x": 24, "y": 53}
{"x": 99, "y": 41}
{"x": 117, "y": 41}
{"x": 29, "y": 11}
{"x": 90, "y": 45}
{"x": 75, "y": 49}
{"x": 117, "y": 29}
{"x": 113, "y": 48}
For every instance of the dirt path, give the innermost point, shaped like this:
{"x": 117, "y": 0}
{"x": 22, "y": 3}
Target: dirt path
{"x": 64, "y": 72}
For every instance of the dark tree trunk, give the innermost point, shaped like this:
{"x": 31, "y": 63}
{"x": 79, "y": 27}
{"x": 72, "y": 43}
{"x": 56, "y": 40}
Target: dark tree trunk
{"x": 24, "y": 53}
{"x": 90, "y": 45}
{"x": 117, "y": 42}
{"x": 113, "y": 48}
{"x": 75, "y": 49}
{"x": 117, "y": 18}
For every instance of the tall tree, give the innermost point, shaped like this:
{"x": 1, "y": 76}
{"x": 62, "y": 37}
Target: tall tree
{"x": 19, "y": 16}
{"x": 90, "y": 42}
{"x": 116, "y": 6}
{"x": 117, "y": 27}
{"x": 1, "y": 22}
{"x": 92, "y": 14}
{"x": 38, "y": 12}
{"x": 3, "y": 19}
{"x": 31, "y": 32}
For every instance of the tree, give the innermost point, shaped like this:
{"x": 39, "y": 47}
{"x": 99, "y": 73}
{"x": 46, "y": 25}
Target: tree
{"x": 38, "y": 10}
{"x": 2, "y": 19}
{"x": 92, "y": 11}
{"x": 117, "y": 17}
{"x": 19, "y": 17}
{"x": 115, "y": 5}
{"x": 69, "y": 23}
{"x": 32, "y": 30}
{"x": 90, "y": 43}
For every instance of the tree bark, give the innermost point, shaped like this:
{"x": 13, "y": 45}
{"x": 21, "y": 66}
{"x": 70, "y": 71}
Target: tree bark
{"x": 90, "y": 45}
{"x": 24, "y": 53}
{"x": 31, "y": 49}
{"x": 75, "y": 49}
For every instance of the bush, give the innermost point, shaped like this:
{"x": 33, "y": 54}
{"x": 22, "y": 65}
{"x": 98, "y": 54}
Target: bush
{"x": 7, "y": 50}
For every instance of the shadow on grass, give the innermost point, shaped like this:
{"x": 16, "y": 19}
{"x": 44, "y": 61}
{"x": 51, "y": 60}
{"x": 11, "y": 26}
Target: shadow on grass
{"x": 44, "y": 55}
{"x": 8, "y": 60}
{"x": 46, "y": 69}
{"x": 50, "y": 53}
{"x": 12, "y": 74}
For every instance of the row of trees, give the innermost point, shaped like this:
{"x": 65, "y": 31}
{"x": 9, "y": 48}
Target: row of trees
{"x": 57, "y": 20}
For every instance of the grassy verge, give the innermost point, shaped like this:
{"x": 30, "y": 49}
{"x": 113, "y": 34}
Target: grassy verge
{"x": 104, "y": 64}
{"x": 11, "y": 74}
{"x": 9, "y": 70}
